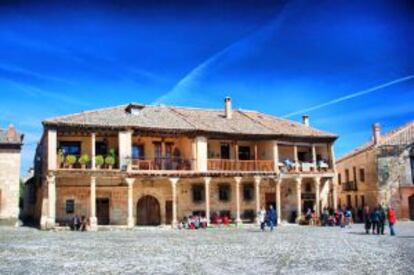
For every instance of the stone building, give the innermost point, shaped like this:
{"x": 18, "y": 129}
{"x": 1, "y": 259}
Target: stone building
{"x": 10, "y": 146}
{"x": 380, "y": 172}
{"x": 173, "y": 162}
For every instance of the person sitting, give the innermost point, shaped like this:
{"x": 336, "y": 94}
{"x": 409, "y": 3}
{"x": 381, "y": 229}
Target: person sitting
{"x": 308, "y": 215}
{"x": 226, "y": 220}
{"x": 83, "y": 223}
{"x": 76, "y": 223}
{"x": 203, "y": 222}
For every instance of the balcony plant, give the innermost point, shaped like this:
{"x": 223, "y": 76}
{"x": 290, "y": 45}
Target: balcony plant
{"x": 70, "y": 161}
{"x": 99, "y": 161}
{"x": 84, "y": 160}
{"x": 109, "y": 161}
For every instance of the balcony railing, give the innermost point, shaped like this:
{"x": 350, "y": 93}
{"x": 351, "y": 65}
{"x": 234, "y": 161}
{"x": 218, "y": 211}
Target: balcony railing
{"x": 162, "y": 164}
{"x": 240, "y": 165}
{"x": 349, "y": 186}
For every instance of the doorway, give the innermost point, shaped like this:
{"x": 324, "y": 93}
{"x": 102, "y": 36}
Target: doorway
{"x": 148, "y": 211}
{"x": 411, "y": 205}
{"x": 102, "y": 211}
{"x": 168, "y": 212}
{"x": 308, "y": 204}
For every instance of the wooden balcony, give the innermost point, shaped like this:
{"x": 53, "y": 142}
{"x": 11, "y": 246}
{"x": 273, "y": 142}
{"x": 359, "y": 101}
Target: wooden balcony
{"x": 349, "y": 186}
{"x": 240, "y": 165}
{"x": 177, "y": 164}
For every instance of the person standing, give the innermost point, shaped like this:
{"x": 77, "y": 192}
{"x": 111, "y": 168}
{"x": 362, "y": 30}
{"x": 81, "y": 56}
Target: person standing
{"x": 382, "y": 218}
{"x": 375, "y": 220}
{"x": 271, "y": 217}
{"x": 262, "y": 218}
{"x": 367, "y": 219}
{"x": 391, "y": 220}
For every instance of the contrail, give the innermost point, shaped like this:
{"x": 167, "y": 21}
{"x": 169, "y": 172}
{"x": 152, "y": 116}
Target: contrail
{"x": 350, "y": 96}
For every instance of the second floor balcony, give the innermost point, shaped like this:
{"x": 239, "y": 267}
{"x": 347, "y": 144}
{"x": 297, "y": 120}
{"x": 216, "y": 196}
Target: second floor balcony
{"x": 349, "y": 186}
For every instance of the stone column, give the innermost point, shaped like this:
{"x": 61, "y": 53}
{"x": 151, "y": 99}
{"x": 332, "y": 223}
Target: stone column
{"x": 314, "y": 157}
{"x": 173, "y": 182}
{"x": 131, "y": 220}
{"x": 275, "y": 157}
{"x": 334, "y": 194}
{"x": 278, "y": 201}
{"x": 299, "y": 197}
{"x": 93, "y": 151}
{"x": 51, "y": 188}
{"x": 52, "y": 149}
{"x": 125, "y": 148}
{"x": 317, "y": 195}
{"x": 238, "y": 219}
{"x": 257, "y": 181}
{"x": 295, "y": 153}
{"x": 333, "y": 161}
{"x": 207, "y": 181}
{"x": 93, "y": 220}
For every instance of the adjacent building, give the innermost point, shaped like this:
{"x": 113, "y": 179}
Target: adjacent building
{"x": 10, "y": 147}
{"x": 380, "y": 172}
{"x": 172, "y": 162}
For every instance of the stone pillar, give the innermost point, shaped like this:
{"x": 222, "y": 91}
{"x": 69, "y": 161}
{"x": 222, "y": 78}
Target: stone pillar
{"x": 93, "y": 151}
{"x": 163, "y": 155}
{"x": 207, "y": 181}
{"x": 202, "y": 157}
{"x": 51, "y": 188}
{"x": 173, "y": 182}
{"x": 131, "y": 220}
{"x": 238, "y": 219}
{"x": 52, "y": 149}
{"x": 295, "y": 153}
{"x": 125, "y": 148}
{"x": 278, "y": 201}
{"x": 93, "y": 220}
{"x": 257, "y": 195}
{"x": 334, "y": 194}
{"x": 317, "y": 195}
{"x": 314, "y": 157}
{"x": 275, "y": 157}
{"x": 299, "y": 197}
{"x": 333, "y": 161}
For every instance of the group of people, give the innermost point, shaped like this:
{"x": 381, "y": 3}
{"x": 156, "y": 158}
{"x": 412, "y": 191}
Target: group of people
{"x": 340, "y": 217}
{"x": 376, "y": 219}
{"x": 267, "y": 218}
{"x": 79, "y": 223}
{"x": 193, "y": 222}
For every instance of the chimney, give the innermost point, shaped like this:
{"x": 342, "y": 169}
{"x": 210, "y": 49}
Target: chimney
{"x": 11, "y": 133}
{"x": 305, "y": 120}
{"x": 227, "y": 107}
{"x": 376, "y": 133}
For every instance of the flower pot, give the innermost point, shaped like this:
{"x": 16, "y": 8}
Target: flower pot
{"x": 110, "y": 167}
{"x": 83, "y": 166}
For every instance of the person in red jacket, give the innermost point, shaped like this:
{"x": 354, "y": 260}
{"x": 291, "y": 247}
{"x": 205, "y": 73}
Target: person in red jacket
{"x": 391, "y": 220}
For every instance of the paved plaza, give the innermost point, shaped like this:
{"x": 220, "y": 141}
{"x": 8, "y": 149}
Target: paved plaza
{"x": 290, "y": 250}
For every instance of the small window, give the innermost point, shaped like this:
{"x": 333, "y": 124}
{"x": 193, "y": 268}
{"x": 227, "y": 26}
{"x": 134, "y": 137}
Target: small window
{"x": 248, "y": 192}
{"x": 339, "y": 179}
{"x": 224, "y": 192}
{"x": 70, "y": 206}
{"x": 138, "y": 151}
{"x": 70, "y": 147}
{"x": 362, "y": 174}
{"x": 198, "y": 193}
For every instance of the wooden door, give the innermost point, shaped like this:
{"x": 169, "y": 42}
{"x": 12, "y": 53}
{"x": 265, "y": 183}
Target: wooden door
{"x": 102, "y": 211}
{"x": 168, "y": 212}
{"x": 148, "y": 211}
{"x": 411, "y": 204}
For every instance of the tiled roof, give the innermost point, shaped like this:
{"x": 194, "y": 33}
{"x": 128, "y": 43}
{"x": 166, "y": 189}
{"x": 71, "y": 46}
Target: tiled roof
{"x": 398, "y": 136}
{"x": 17, "y": 139}
{"x": 189, "y": 119}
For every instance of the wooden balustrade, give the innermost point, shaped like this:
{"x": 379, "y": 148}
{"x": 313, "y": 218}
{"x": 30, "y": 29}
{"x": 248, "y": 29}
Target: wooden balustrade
{"x": 240, "y": 165}
{"x": 162, "y": 164}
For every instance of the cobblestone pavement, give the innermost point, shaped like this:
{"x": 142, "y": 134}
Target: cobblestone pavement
{"x": 289, "y": 250}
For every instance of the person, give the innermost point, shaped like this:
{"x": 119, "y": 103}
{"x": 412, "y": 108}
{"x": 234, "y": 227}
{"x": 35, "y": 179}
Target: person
{"x": 308, "y": 215}
{"x": 83, "y": 223}
{"x": 381, "y": 221}
{"x": 76, "y": 223}
{"x": 261, "y": 216}
{"x": 374, "y": 220}
{"x": 391, "y": 220}
{"x": 325, "y": 216}
{"x": 271, "y": 217}
{"x": 367, "y": 219}
{"x": 348, "y": 217}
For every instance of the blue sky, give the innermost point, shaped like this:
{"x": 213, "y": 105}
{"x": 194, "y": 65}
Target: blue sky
{"x": 279, "y": 57}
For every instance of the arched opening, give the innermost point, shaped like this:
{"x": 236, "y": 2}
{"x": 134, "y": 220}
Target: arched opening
{"x": 411, "y": 206}
{"x": 148, "y": 211}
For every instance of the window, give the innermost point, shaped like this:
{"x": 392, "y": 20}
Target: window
{"x": 70, "y": 147}
{"x": 348, "y": 201}
{"x": 362, "y": 200}
{"x": 70, "y": 206}
{"x": 198, "y": 193}
{"x": 138, "y": 151}
{"x": 101, "y": 148}
{"x": 248, "y": 192}
{"x": 308, "y": 187}
{"x": 244, "y": 153}
{"x": 339, "y": 179}
{"x": 224, "y": 192}
{"x": 346, "y": 175}
{"x": 225, "y": 151}
{"x": 354, "y": 171}
{"x": 362, "y": 174}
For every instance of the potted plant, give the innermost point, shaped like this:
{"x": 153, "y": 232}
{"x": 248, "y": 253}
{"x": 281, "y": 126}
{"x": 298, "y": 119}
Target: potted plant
{"x": 99, "y": 161}
{"x": 70, "y": 161}
{"x": 84, "y": 160}
{"x": 60, "y": 158}
{"x": 109, "y": 161}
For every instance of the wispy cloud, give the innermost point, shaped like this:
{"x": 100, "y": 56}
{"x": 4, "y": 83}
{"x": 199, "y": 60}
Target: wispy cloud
{"x": 239, "y": 48}
{"x": 351, "y": 96}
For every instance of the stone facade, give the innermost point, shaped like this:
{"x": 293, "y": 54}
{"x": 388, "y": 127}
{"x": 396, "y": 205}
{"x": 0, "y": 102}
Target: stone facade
{"x": 10, "y": 144}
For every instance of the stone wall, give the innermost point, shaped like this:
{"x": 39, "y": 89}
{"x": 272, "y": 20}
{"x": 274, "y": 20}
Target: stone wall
{"x": 9, "y": 183}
